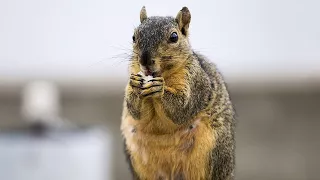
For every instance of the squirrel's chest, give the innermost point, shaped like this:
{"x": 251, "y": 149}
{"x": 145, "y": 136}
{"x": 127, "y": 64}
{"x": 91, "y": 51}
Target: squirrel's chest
{"x": 184, "y": 153}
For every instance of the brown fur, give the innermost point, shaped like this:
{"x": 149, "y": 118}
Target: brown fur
{"x": 180, "y": 125}
{"x": 155, "y": 155}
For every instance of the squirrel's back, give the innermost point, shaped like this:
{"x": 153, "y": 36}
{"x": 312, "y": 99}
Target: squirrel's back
{"x": 223, "y": 121}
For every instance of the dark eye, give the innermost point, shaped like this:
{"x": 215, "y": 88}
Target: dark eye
{"x": 134, "y": 39}
{"x": 173, "y": 37}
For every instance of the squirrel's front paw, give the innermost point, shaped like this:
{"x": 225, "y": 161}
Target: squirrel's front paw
{"x": 154, "y": 87}
{"x": 136, "y": 81}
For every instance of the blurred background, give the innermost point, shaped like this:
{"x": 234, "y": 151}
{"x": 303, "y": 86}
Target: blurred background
{"x": 268, "y": 51}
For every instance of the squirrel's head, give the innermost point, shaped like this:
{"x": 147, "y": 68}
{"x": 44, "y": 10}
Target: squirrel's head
{"x": 161, "y": 43}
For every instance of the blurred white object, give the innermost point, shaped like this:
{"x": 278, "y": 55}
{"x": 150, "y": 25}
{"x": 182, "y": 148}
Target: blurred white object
{"x": 41, "y": 103}
{"x": 83, "y": 154}
{"x": 58, "y": 153}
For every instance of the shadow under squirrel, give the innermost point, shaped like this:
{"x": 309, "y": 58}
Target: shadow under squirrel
{"x": 179, "y": 123}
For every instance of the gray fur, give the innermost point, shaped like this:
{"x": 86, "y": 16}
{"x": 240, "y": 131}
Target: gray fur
{"x": 223, "y": 121}
{"x": 206, "y": 83}
{"x": 153, "y": 31}
{"x": 184, "y": 108}
{"x": 133, "y": 105}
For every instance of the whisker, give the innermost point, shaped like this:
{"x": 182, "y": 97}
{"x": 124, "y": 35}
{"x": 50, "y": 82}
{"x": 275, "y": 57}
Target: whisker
{"x": 117, "y": 59}
{"x": 123, "y": 48}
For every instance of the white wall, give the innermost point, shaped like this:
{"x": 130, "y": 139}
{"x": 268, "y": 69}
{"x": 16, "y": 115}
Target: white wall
{"x": 81, "y": 38}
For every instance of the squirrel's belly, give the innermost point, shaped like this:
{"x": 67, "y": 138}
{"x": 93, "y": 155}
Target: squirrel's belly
{"x": 184, "y": 154}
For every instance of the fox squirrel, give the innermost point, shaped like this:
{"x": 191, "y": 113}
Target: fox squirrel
{"x": 178, "y": 121}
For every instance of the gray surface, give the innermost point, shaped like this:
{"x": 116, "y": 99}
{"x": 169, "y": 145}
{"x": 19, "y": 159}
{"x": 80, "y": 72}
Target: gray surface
{"x": 277, "y": 133}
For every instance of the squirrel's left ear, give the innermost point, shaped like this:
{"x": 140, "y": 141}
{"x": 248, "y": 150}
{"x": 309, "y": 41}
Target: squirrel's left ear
{"x": 143, "y": 14}
{"x": 183, "y": 19}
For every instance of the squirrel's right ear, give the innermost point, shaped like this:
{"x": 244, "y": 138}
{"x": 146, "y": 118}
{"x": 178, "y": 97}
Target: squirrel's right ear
{"x": 183, "y": 19}
{"x": 143, "y": 14}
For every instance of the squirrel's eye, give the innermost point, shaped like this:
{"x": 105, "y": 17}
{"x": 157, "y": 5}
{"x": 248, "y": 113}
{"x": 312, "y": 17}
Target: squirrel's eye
{"x": 174, "y": 37}
{"x": 134, "y": 39}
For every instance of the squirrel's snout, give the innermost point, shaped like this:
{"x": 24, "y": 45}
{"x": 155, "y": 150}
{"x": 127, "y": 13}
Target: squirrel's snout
{"x": 147, "y": 63}
{"x": 146, "y": 60}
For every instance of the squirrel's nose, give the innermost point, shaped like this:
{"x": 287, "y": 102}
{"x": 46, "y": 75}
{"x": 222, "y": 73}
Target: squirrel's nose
{"x": 145, "y": 59}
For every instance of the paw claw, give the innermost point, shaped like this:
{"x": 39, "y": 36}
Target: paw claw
{"x": 160, "y": 79}
{"x": 154, "y": 91}
{"x": 136, "y": 80}
{"x": 151, "y": 93}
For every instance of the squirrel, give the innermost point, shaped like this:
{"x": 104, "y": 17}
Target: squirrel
{"x": 178, "y": 121}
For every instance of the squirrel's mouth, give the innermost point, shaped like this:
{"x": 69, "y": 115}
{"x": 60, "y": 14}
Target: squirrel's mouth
{"x": 149, "y": 72}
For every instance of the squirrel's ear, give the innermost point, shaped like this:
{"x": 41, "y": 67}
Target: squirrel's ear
{"x": 183, "y": 19}
{"x": 143, "y": 14}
